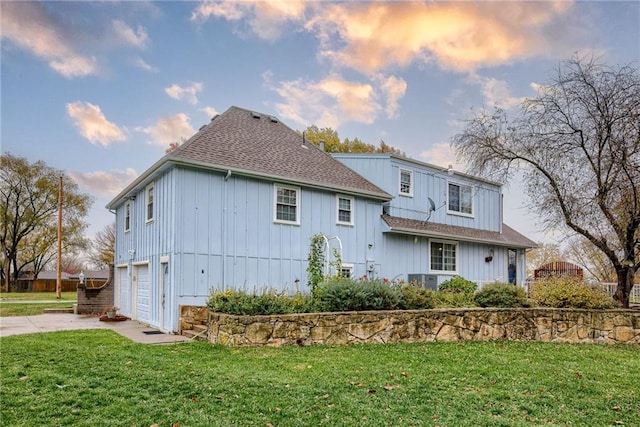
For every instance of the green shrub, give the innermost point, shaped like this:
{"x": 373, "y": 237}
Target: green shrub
{"x": 501, "y": 295}
{"x": 561, "y": 292}
{"x": 415, "y": 298}
{"x": 341, "y": 294}
{"x": 269, "y": 302}
{"x": 458, "y": 284}
{"x": 453, "y": 299}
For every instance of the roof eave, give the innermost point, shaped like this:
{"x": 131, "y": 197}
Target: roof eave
{"x": 447, "y": 236}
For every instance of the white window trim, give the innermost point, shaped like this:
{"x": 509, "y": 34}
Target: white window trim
{"x": 146, "y": 204}
{"x": 447, "y": 242}
{"x": 411, "y": 183}
{"x": 451, "y": 212}
{"x": 353, "y": 202}
{"x": 346, "y": 266}
{"x": 127, "y": 207}
{"x": 275, "y": 204}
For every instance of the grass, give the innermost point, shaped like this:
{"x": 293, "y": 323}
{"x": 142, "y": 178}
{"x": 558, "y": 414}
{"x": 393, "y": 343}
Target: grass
{"x": 40, "y": 301}
{"x": 36, "y": 296}
{"x": 98, "y": 378}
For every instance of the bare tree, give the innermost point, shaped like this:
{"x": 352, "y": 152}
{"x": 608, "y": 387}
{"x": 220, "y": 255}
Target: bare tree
{"x": 578, "y": 143}
{"x": 591, "y": 258}
{"x": 543, "y": 254}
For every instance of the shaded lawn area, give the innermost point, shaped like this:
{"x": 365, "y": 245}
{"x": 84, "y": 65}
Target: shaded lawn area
{"x": 98, "y": 378}
{"x": 38, "y": 301}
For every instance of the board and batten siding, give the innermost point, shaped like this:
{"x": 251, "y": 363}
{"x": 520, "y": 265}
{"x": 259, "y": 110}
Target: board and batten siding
{"x": 428, "y": 182}
{"x": 226, "y": 235}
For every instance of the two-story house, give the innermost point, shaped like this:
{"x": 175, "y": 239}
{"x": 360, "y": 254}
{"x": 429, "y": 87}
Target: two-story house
{"x": 237, "y": 204}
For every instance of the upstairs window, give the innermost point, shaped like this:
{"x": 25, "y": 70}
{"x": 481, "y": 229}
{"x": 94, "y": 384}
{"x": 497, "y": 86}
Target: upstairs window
{"x": 460, "y": 199}
{"x": 150, "y": 203}
{"x": 127, "y": 217}
{"x": 406, "y": 182}
{"x": 345, "y": 210}
{"x": 443, "y": 256}
{"x": 287, "y": 205}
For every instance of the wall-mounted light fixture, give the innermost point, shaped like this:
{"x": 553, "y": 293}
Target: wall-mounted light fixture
{"x": 490, "y": 257}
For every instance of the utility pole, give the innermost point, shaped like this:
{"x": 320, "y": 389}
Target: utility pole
{"x": 59, "y": 275}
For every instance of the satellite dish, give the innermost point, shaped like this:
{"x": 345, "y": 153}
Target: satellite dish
{"x": 432, "y": 205}
{"x": 432, "y": 208}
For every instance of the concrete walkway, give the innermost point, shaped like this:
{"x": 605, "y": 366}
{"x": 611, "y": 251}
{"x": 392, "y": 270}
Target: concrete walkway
{"x": 52, "y": 322}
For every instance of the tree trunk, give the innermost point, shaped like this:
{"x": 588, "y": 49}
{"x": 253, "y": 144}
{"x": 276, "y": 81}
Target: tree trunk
{"x": 625, "y": 284}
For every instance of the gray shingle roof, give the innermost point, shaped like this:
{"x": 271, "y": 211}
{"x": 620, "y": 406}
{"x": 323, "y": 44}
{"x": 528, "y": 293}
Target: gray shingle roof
{"x": 508, "y": 237}
{"x": 258, "y": 144}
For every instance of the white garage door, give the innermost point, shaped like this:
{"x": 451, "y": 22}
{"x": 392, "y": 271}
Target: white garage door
{"x": 143, "y": 297}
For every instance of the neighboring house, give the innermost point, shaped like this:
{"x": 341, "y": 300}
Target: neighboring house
{"x": 237, "y": 204}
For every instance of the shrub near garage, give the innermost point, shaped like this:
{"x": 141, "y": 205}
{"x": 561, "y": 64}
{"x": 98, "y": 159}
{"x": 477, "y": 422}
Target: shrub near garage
{"x": 564, "y": 292}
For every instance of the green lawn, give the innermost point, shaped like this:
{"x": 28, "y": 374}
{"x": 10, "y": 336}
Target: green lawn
{"x": 41, "y": 300}
{"x": 37, "y": 296}
{"x": 98, "y": 378}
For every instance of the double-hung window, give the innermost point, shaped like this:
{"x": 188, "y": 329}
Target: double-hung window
{"x": 461, "y": 199}
{"x": 345, "y": 210}
{"x": 406, "y": 182}
{"x": 149, "y": 203}
{"x": 443, "y": 256}
{"x": 287, "y": 204}
{"x": 127, "y": 217}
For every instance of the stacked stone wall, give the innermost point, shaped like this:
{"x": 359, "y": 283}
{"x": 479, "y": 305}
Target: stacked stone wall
{"x": 537, "y": 324}
{"x": 191, "y": 315}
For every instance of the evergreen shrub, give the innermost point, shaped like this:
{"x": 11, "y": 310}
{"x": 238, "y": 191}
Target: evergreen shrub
{"x": 501, "y": 295}
{"x": 458, "y": 284}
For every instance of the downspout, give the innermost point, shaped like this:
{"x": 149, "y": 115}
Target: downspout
{"x": 223, "y": 236}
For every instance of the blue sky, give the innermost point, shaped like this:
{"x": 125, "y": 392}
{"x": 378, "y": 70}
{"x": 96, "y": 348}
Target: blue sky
{"x": 100, "y": 89}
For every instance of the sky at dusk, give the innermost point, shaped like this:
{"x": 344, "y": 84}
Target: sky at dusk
{"x": 100, "y": 89}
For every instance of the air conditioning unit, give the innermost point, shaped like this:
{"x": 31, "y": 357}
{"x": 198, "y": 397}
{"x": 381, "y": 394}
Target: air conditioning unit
{"x": 427, "y": 281}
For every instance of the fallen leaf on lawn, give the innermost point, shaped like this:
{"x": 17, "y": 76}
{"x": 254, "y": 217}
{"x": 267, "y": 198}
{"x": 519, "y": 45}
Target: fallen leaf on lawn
{"x": 619, "y": 423}
{"x": 194, "y": 399}
{"x": 129, "y": 362}
{"x": 325, "y": 396}
{"x": 390, "y": 387}
{"x": 331, "y": 405}
{"x": 579, "y": 374}
{"x": 155, "y": 425}
{"x": 220, "y": 396}
{"x": 616, "y": 408}
{"x": 405, "y": 374}
{"x": 175, "y": 425}
{"x": 268, "y": 425}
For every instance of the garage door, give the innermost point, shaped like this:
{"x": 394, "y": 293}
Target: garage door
{"x": 124, "y": 302}
{"x": 143, "y": 297}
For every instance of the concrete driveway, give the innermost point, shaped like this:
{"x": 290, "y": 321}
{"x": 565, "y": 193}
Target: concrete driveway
{"x": 52, "y": 322}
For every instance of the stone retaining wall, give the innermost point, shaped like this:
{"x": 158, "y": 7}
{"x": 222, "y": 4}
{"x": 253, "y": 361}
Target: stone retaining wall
{"x": 191, "y": 315}
{"x": 534, "y": 324}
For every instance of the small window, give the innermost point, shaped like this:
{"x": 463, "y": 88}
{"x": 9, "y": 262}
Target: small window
{"x": 346, "y": 271}
{"x": 345, "y": 210}
{"x": 460, "y": 199}
{"x": 406, "y": 182}
{"x": 443, "y": 256}
{"x": 127, "y": 217}
{"x": 150, "y": 203}
{"x": 287, "y": 205}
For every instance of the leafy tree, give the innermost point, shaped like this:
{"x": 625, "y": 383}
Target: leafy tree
{"x": 103, "y": 247}
{"x": 578, "y": 142}
{"x": 332, "y": 142}
{"x": 29, "y": 214}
